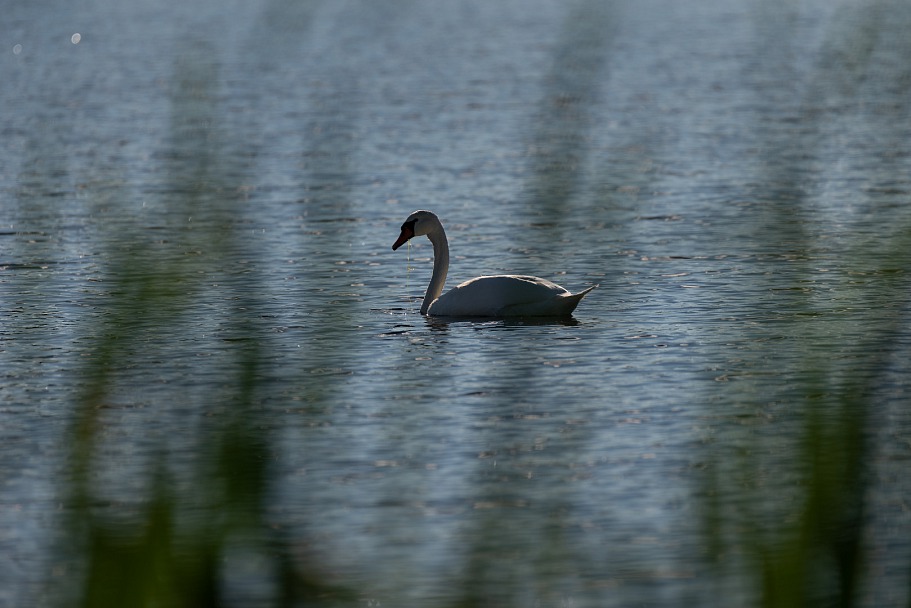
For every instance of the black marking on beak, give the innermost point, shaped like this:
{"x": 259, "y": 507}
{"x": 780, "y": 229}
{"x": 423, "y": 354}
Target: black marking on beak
{"x": 407, "y": 233}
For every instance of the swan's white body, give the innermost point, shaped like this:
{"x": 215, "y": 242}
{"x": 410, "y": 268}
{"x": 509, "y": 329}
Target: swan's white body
{"x": 489, "y": 296}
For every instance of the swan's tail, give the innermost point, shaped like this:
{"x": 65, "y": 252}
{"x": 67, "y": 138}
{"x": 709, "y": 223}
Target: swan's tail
{"x": 573, "y": 299}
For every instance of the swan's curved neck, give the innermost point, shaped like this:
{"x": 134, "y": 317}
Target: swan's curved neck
{"x": 440, "y": 266}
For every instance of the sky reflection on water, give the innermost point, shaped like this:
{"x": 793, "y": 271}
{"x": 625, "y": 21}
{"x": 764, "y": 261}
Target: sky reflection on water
{"x": 196, "y": 287}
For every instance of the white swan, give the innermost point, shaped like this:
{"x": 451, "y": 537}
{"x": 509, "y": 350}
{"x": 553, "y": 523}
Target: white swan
{"x": 491, "y": 296}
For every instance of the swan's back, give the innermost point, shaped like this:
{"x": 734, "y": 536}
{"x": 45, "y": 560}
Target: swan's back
{"x": 507, "y": 296}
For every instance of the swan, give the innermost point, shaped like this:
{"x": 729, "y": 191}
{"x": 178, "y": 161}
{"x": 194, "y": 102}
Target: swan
{"x": 488, "y": 296}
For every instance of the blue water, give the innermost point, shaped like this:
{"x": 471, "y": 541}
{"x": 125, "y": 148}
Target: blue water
{"x": 733, "y": 175}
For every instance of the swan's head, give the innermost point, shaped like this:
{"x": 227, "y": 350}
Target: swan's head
{"x": 418, "y": 223}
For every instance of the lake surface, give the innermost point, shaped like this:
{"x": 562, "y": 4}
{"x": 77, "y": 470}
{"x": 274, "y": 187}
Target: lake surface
{"x": 200, "y": 305}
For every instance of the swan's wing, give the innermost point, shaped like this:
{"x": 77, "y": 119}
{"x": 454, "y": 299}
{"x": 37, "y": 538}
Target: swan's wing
{"x": 502, "y": 295}
{"x": 561, "y": 305}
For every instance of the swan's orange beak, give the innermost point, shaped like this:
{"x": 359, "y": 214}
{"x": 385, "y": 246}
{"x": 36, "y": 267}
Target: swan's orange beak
{"x": 407, "y": 233}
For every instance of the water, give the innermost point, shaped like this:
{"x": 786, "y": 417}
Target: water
{"x": 198, "y": 204}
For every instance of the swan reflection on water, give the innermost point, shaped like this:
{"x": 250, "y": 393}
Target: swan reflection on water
{"x": 480, "y": 322}
{"x": 443, "y": 323}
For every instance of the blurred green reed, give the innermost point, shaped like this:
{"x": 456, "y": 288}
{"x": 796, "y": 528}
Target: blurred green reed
{"x": 811, "y": 547}
{"x": 815, "y": 556}
{"x": 807, "y": 547}
{"x": 157, "y": 556}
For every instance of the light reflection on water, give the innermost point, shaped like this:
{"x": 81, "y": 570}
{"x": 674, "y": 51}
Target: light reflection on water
{"x": 222, "y": 217}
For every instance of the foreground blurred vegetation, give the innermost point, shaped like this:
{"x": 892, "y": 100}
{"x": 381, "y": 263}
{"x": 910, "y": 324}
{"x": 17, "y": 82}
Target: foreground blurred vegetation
{"x": 814, "y": 547}
{"x": 158, "y": 550}
{"x": 168, "y": 546}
